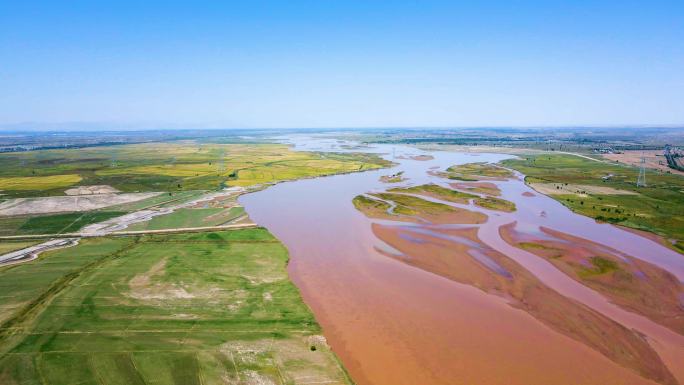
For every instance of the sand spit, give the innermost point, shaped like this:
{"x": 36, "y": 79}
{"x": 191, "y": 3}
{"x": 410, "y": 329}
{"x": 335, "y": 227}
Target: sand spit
{"x": 60, "y": 204}
{"x": 393, "y": 178}
{"x": 420, "y": 158}
{"x": 473, "y": 263}
{"x": 411, "y": 208}
{"x": 491, "y": 271}
{"x": 631, "y": 283}
{"x": 440, "y": 195}
{"x": 485, "y": 188}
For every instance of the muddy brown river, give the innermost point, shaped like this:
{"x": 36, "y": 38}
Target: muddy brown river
{"x": 392, "y": 323}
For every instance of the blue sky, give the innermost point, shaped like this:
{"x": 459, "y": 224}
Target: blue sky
{"x": 342, "y": 63}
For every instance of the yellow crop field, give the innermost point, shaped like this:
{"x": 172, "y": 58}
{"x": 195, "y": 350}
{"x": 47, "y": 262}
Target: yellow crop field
{"x": 38, "y": 182}
{"x": 287, "y": 170}
{"x": 180, "y": 170}
{"x": 169, "y": 166}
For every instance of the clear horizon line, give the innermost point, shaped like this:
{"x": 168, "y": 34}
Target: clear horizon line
{"x": 55, "y": 127}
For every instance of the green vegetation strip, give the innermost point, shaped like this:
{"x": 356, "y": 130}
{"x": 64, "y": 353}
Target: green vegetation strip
{"x": 499, "y": 204}
{"x": 65, "y": 223}
{"x": 600, "y": 266}
{"x": 186, "y": 218}
{"x": 455, "y": 196}
{"x": 437, "y": 191}
{"x": 473, "y": 171}
{"x": 365, "y": 204}
{"x": 657, "y": 207}
{"x": 410, "y": 205}
{"x": 212, "y": 308}
{"x": 53, "y": 224}
{"x": 9, "y": 246}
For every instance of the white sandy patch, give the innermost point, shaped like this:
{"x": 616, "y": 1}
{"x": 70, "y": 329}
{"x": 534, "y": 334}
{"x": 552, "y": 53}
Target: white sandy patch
{"x": 235, "y": 306}
{"x": 265, "y": 279}
{"x": 254, "y": 378}
{"x": 45, "y": 205}
{"x": 581, "y": 190}
{"x": 142, "y": 287}
{"x": 317, "y": 366}
{"x": 91, "y": 190}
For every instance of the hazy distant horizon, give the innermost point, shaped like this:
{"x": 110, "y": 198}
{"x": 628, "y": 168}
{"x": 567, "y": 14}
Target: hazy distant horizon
{"x": 114, "y": 127}
{"x": 95, "y": 126}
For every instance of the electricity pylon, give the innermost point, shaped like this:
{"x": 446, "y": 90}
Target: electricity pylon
{"x": 641, "y": 180}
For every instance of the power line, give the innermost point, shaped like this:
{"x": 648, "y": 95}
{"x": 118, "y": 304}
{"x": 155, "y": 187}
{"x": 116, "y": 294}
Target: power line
{"x": 641, "y": 180}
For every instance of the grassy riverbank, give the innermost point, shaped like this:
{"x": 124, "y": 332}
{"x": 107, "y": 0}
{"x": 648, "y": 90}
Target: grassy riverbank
{"x": 199, "y": 308}
{"x": 609, "y": 193}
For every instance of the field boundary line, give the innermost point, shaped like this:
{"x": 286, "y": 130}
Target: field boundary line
{"x": 137, "y": 232}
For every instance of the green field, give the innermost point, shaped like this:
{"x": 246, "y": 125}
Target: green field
{"x": 53, "y": 224}
{"x": 9, "y": 246}
{"x": 162, "y": 200}
{"x": 658, "y": 207}
{"x": 203, "y": 308}
{"x": 184, "y": 218}
{"x": 65, "y": 223}
{"x": 168, "y": 166}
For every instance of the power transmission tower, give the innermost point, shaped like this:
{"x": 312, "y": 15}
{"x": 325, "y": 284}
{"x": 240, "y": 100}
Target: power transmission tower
{"x": 221, "y": 165}
{"x": 641, "y": 180}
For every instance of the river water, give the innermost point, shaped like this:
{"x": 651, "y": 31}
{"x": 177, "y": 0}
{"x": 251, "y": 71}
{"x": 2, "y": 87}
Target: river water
{"x": 391, "y": 323}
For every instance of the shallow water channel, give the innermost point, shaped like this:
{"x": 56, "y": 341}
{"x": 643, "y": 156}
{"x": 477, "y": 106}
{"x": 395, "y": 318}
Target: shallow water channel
{"x": 391, "y": 323}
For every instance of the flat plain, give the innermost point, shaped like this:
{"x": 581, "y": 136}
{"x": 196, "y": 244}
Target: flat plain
{"x": 168, "y": 166}
{"x": 216, "y": 307}
{"x": 199, "y": 305}
{"x": 33, "y": 183}
{"x": 186, "y": 308}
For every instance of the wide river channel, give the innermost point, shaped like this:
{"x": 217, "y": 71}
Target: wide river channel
{"x": 391, "y": 323}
